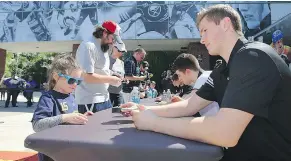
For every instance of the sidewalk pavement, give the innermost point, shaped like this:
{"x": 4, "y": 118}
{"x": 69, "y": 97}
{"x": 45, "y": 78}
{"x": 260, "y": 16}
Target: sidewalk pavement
{"x": 15, "y": 124}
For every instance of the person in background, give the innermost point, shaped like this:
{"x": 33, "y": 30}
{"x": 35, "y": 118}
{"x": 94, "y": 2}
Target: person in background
{"x": 92, "y": 55}
{"x": 57, "y": 105}
{"x": 167, "y": 82}
{"x": 144, "y": 67}
{"x": 117, "y": 68}
{"x": 28, "y": 93}
{"x": 283, "y": 50}
{"x": 14, "y": 85}
{"x": 2, "y": 91}
{"x": 151, "y": 91}
{"x": 133, "y": 72}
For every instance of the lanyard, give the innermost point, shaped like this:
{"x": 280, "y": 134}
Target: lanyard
{"x": 89, "y": 109}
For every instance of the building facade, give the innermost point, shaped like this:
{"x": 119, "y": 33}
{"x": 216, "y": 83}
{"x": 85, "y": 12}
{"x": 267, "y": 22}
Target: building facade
{"x": 53, "y": 26}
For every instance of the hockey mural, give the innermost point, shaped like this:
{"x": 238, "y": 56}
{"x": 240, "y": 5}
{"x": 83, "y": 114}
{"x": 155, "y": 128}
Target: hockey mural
{"x": 72, "y": 20}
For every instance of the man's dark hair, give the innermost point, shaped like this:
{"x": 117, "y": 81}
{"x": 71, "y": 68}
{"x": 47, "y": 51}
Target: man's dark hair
{"x": 175, "y": 77}
{"x": 98, "y": 33}
{"x": 186, "y": 61}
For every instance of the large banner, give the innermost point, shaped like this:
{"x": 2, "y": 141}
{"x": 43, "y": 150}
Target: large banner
{"x": 71, "y": 20}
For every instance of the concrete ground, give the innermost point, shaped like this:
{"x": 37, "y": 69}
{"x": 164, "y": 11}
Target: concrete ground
{"x": 15, "y": 124}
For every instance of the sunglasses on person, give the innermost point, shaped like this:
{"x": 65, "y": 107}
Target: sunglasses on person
{"x": 71, "y": 80}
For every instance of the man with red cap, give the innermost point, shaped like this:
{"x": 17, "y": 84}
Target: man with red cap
{"x": 92, "y": 56}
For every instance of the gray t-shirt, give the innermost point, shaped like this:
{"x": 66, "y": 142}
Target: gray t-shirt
{"x": 92, "y": 60}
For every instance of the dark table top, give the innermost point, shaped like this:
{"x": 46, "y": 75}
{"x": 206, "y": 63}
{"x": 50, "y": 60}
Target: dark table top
{"x": 108, "y": 137}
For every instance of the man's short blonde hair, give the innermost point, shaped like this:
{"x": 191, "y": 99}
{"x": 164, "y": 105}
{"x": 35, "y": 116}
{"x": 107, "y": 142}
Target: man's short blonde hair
{"x": 216, "y": 13}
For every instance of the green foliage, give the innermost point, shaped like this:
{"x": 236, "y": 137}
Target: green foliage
{"x": 26, "y": 64}
{"x": 160, "y": 61}
{"x": 36, "y": 64}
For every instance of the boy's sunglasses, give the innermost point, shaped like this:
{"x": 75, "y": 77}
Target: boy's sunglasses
{"x": 71, "y": 80}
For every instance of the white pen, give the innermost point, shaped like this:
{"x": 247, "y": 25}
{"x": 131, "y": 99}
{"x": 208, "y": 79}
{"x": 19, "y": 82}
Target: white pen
{"x": 127, "y": 109}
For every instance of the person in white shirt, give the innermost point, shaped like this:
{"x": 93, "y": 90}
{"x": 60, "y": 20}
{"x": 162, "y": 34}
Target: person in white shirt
{"x": 117, "y": 69}
{"x": 190, "y": 73}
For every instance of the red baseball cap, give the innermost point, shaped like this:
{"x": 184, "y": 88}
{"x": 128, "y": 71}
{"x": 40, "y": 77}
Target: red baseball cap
{"x": 114, "y": 28}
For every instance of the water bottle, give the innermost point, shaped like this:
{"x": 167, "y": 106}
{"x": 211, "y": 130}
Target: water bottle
{"x": 135, "y": 95}
{"x": 169, "y": 95}
{"x": 164, "y": 98}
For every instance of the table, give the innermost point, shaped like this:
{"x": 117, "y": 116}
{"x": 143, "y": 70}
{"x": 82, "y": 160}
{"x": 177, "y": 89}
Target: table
{"x": 112, "y": 137}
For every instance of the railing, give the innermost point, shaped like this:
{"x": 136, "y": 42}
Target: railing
{"x": 268, "y": 29}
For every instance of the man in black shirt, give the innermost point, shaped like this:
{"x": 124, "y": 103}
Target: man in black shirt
{"x": 253, "y": 91}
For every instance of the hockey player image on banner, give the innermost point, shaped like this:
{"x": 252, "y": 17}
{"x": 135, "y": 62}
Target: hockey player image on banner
{"x": 8, "y": 28}
{"x": 183, "y": 20}
{"x": 35, "y": 20}
{"x": 7, "y": 20}
{"x": 65, "y": 17}
{"x": 87, "y": 9}
{"x": 150, "y": 20}
{"x": 255, "y": 17}
{"x": 155, "y": 17}
{"x": 122, "y": 12}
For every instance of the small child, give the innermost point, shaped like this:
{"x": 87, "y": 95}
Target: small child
{"x": 57, "y": 105}
{"x": 152, "y": 92}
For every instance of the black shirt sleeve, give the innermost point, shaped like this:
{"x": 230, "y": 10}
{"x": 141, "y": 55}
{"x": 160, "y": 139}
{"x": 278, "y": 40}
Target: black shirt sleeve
{"x": 253, "y": 78}
{"x": 207, "y": 89}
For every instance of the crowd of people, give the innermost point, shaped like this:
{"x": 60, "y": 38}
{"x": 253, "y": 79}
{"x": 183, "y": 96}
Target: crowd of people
{"x": 245, "y": 99}
{"x": 13, "y": 86}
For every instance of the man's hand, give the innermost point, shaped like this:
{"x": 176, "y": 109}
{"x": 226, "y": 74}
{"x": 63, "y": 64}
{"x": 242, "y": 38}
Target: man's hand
{"x": 128, "y": 113}
{"x": 142, "y": 78}
{"x": 144, "y": 120}
{"x": 115, "y": 81}
{"x": 176, "y": 99}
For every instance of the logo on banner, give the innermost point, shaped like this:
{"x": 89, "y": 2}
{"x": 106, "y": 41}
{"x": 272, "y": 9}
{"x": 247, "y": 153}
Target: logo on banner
{"x": 154, "y": 10}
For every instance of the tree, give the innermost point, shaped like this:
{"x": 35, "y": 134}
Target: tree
{"x": 29, "y": 64}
